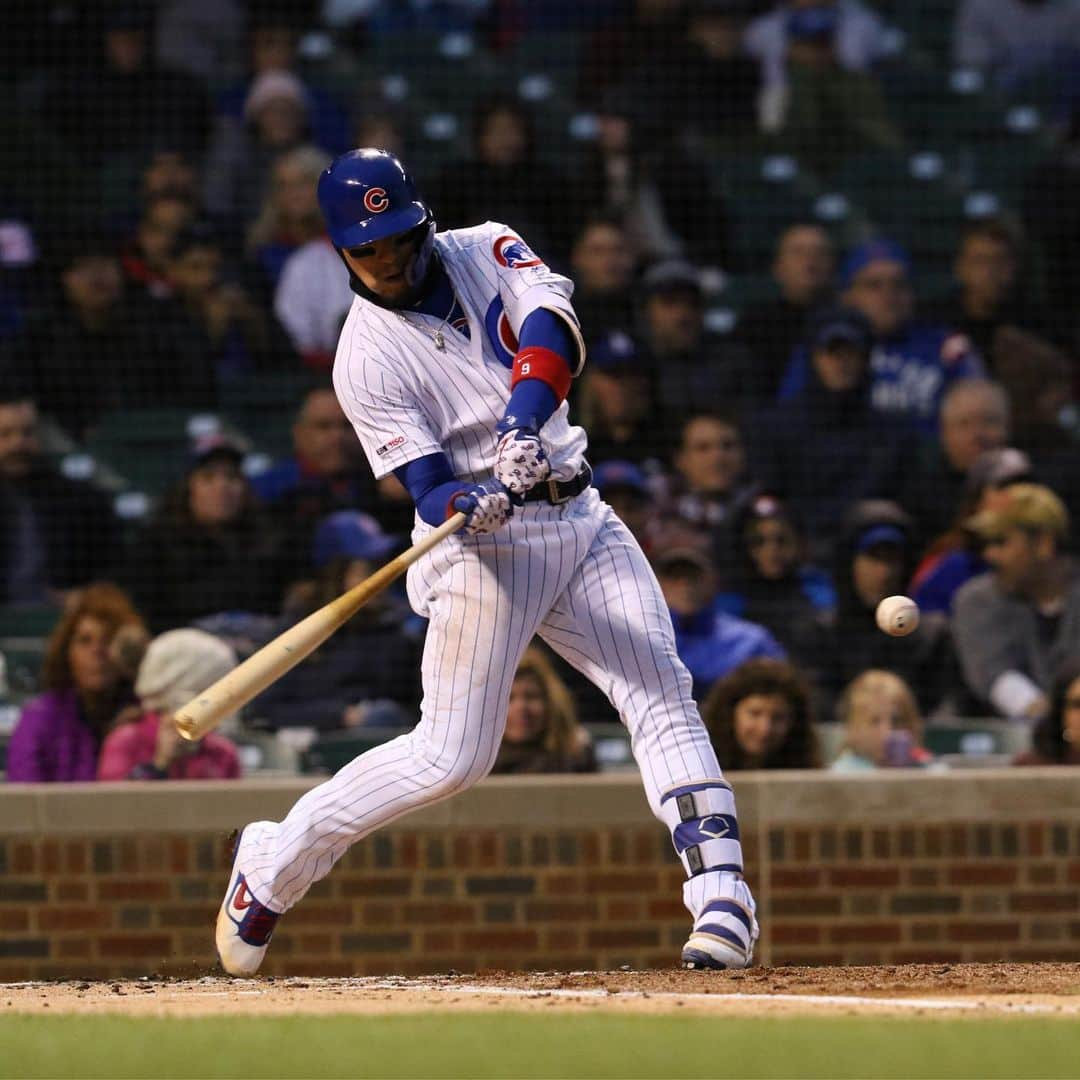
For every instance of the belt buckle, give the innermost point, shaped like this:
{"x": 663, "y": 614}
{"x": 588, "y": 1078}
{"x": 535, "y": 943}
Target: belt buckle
{"x": 553, "y": 493}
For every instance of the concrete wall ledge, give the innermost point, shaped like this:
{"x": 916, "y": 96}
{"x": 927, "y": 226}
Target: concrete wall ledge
{"x": 805, "y": 798}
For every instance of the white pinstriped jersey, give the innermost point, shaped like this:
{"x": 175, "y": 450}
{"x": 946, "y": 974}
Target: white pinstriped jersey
{"x": 570, "y": 573}
{"x": 406, "y": 398}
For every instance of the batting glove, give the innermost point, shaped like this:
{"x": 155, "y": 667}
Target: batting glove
{"x": 489, "y": 507}
{"x": 521, "y": 461}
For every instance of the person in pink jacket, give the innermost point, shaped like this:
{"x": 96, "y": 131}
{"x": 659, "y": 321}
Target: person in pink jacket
{"x": 178, "y": 665}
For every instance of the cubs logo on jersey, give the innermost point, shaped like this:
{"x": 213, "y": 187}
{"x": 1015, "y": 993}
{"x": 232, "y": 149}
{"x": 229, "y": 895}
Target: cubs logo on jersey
{"x": 500, "y": 332}
{"x": 513, "y": 253}
{"x": 376, "y": 200}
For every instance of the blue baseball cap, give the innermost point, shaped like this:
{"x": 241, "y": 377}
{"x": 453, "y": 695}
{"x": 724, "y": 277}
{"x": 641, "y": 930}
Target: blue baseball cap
{"x": 881, "y": 534}
{"x": 844, "y": 325}
{"x": 615, "y": 351}
{"x": 814, "y": 22}
{"x": 620, "y": 474}
{"x": 859, "y": 258}
{"x": 349, "y": 534}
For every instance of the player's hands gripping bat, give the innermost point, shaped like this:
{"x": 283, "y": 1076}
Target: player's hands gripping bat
{"x": 487, "y": 507}
{"x": 521, "y": 461}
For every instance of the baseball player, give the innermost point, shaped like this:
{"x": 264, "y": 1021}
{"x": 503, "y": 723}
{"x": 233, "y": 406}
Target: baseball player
{"x": 453, "y": 365}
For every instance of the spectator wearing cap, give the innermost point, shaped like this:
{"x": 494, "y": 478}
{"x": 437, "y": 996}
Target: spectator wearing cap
{"x": 955, "y": 557}
{"x": 1017, "y": 624}
{"x": 827, "y": 445}
{"x": 772, "y": 584}
{"x": 803, "y": 269}
{"x": 209, "y": 548}
{"x": 709, "y": 641}
{"x": 823, "y": 110}
{"x": 911, "y": 364}
{"x": 96, "y": 351}
{"x": 55, "y": 533}
{"x": 367, "y": 673}
{"x": 104, "y": 110}
{"x": 625, "y": 488}
{"x": 859, "y": 37}
{"x": 213, "y": 318}
{"x": 324, "y": 473}
{"x": 177, "y": 666}
{"x": 874, "y": 557}
{"x": 240, "y": 162}
{"x": 710, "y": 484}
{"x": 602, "y": 266}
{"x": 691, "y": 368}
{"x": 614, "y": 404}
{"x": 273, "y": 36}
{"x": 974, "y": 418}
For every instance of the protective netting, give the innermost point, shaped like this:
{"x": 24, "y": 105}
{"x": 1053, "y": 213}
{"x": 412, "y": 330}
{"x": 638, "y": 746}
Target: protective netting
{"x": 825, "y": 265}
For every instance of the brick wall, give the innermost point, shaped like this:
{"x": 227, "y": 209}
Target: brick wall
{"x": 550, "y": 873}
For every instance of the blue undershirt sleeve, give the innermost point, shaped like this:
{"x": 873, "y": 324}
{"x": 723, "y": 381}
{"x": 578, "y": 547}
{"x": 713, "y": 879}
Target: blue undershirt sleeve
{"x": 431, "y": 482}
{"x": 532, "y": 401}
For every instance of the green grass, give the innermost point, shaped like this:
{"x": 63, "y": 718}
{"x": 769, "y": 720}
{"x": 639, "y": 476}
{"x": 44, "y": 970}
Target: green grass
{"x": 513, "y": 1044}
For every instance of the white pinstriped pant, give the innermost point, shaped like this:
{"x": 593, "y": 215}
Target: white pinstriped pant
{"x": 572, "y": 574}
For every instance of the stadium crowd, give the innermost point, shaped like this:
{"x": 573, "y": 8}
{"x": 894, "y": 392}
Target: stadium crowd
{"x": 856, "y": 400}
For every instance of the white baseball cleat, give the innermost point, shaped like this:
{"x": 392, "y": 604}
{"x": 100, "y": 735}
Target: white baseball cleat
{"x": 244, "y": 926}
{"x": 723, "y": 937}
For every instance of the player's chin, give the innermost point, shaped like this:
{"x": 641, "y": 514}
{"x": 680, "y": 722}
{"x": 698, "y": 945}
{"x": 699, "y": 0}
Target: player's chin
{"x": 394, "y": 289}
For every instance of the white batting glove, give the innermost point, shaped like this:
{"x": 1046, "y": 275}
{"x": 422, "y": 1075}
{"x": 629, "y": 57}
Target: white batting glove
{"x": 488, "y": 506}
{"x": 521, "y": 461}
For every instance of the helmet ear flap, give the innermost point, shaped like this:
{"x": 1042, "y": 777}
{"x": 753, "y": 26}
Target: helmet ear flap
{"x": 419, "y": 268}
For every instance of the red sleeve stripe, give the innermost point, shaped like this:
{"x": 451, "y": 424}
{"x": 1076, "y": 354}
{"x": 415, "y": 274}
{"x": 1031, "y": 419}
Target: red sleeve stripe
{"x": 543, "y": 364}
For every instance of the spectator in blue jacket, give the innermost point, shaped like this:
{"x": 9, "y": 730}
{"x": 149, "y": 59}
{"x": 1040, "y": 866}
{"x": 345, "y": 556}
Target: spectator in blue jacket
{"x": 829, "y": 444}
{"x": 709, "y": 641}
{"x": 911, "y": 364}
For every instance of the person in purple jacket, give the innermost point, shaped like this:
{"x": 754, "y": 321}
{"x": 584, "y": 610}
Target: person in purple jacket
{"x": 87, "y": 675}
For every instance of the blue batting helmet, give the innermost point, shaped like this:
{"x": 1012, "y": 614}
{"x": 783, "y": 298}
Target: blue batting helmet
{"x": 366, "y": 195}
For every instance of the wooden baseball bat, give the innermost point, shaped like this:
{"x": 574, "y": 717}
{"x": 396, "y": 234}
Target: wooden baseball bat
{"x": 234, "y": 690}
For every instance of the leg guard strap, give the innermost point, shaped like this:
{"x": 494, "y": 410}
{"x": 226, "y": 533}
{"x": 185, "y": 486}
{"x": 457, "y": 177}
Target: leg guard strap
{"x": 703, "y": 826}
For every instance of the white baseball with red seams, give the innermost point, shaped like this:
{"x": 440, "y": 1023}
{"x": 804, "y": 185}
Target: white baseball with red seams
{"x": 570, "y": 572}
{"x": 897, "y": 615}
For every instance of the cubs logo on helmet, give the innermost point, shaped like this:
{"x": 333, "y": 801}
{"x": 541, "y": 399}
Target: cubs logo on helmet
{"x": 376, "y": 199}
{"x": 513, "y": 253}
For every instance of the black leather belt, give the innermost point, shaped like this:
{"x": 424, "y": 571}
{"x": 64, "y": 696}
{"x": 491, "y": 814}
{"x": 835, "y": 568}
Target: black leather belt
{"x": 560, "y": 491}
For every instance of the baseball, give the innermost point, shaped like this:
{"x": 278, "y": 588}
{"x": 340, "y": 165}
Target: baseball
{"x": 898, "y": 615}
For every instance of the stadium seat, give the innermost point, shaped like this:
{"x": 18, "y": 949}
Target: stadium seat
{"x": 148, "y": 447}
{"x": 263, "y": 407}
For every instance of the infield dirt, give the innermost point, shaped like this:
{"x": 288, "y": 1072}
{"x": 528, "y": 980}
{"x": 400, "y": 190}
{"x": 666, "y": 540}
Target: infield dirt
{"x": 970, "y": 989}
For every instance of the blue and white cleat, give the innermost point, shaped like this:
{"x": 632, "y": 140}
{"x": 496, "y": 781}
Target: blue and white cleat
{"x": 244, "y": 926}
{"x": 723, "y": 938}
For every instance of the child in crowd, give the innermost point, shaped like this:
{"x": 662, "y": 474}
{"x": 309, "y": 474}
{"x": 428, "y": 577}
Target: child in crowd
{"x": 883, "y": 727}
{"x": 177, "y": 666}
